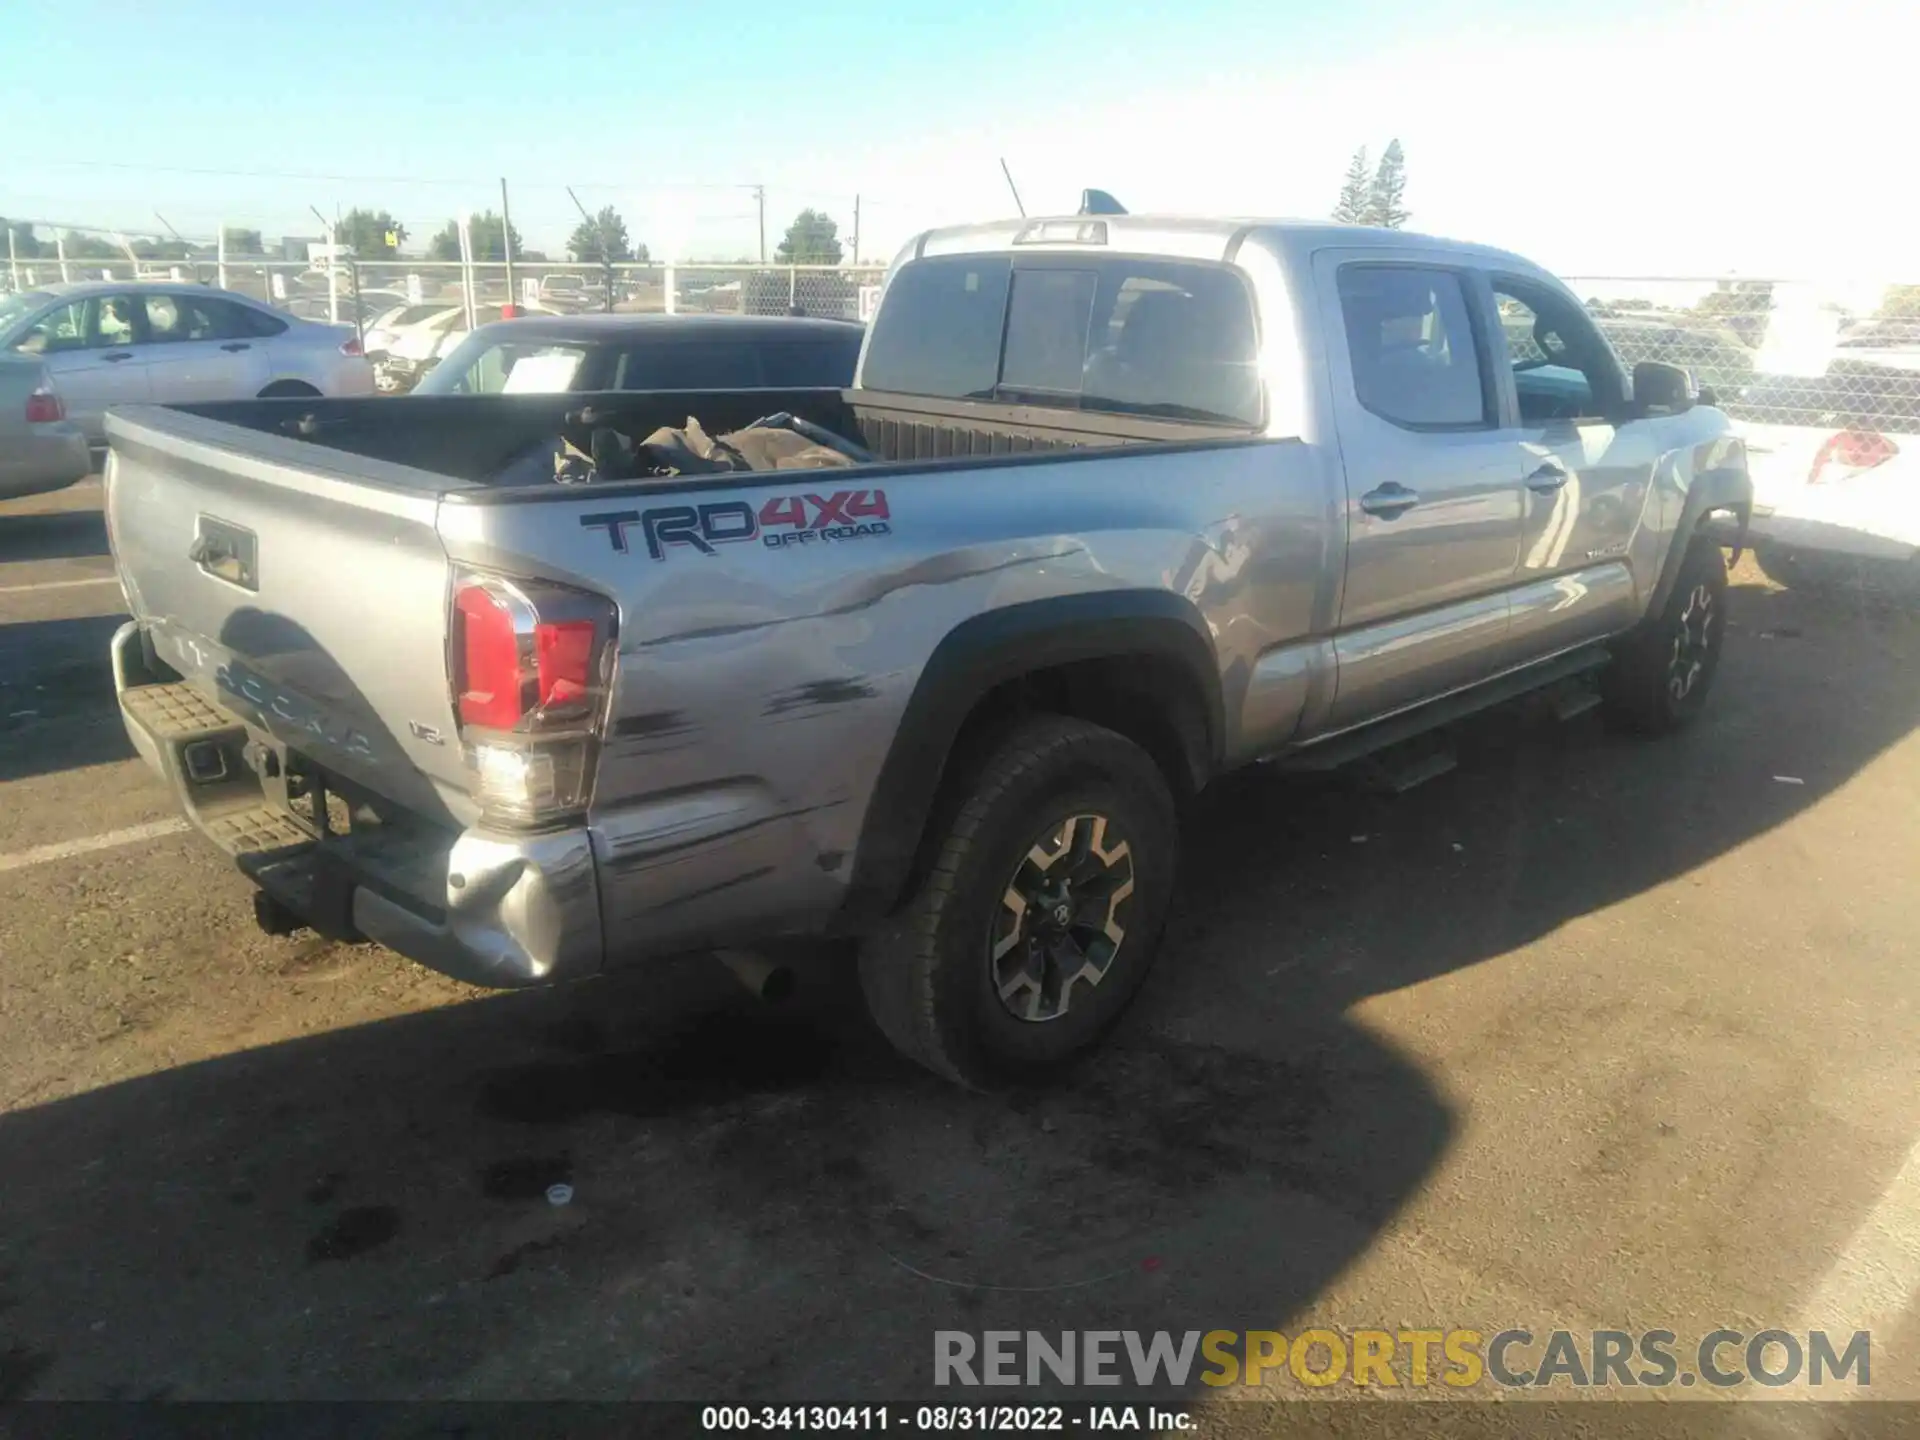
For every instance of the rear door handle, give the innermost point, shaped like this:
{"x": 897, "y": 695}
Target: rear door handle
{"x": 1389, "y": 501}
{"x": 232, "y": 346}
{"x": 114, "y": 357}
{"x": 1547, "y": 479}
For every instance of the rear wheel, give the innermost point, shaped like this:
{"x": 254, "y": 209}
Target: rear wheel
{"x": 1661, "y": 672}
{"x": 1042, "y": 912}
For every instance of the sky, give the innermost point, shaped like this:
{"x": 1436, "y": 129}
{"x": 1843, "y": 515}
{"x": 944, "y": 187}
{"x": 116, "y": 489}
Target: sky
{"x": 1631, "y": 138}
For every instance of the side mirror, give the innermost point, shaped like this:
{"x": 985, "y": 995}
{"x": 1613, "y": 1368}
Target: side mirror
{"x": 1661, "y": 389}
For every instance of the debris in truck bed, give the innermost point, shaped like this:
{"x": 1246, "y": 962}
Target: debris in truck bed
{"x": 776, "y": 442}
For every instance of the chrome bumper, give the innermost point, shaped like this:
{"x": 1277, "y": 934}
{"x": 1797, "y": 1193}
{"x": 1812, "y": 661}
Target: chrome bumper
{"x": 488, "y": 907}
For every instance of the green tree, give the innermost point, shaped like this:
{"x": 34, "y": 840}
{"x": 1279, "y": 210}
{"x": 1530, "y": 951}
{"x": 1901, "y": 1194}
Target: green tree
{"x": 487, "y": 230}
{"x": 812, "y": 239}
{"x": 1385, "y": 197}
{"x": 162, "y": 249}
{"x": 1901, "y": 302}
{"x": 26, "y": 244}
{"x": 601, "y": 240}
{"x": 90, "y": 247}
{"x": 1354, "y": 191}
{"x": 367, "y": 231}
{"x": 245, "y": 242}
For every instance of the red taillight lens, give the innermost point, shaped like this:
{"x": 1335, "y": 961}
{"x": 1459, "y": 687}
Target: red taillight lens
{"x": 516, "y": 664}
{"x": 351, "y": 347}
{"x": 490, "y": 681}
{"x": 564, "y": 653}
{"x": 531, "y": 662}
{"x": 1851, "y": 451}
{"x": 45, "y": 408}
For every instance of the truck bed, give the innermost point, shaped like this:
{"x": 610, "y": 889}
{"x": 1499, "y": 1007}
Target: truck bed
{"x": 473, "y": 439}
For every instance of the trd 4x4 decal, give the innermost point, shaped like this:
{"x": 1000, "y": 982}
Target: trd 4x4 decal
{"x": 783, "y": 521}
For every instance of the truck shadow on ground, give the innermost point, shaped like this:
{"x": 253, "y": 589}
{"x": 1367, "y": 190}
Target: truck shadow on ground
{"x": 57, "y": 709}
{"x": 767, "y": 1203}
{"x": 53, "y": 535}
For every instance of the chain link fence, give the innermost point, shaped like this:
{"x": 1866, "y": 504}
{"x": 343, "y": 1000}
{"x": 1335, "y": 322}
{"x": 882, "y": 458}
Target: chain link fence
{"x": 321, "y": 292}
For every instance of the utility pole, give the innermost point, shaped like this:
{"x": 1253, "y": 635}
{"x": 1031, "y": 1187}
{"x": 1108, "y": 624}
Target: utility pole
{"x": 506, "y": 246}
{"x": 760, "y": 196}
{"x": 181, "y": 238}
{"x": 606, "y": 245}
{"x": 856, "y": 232}
{"x": 13, "y": 255}
{"x": 333, "y": 269}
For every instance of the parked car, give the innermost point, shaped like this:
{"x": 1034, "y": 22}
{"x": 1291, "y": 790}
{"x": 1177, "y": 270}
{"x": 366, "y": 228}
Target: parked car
{"x": 1715, "y": 356}
{"x": 40, "y": 448}
{"x": 111, "y": 343}
{"x": 1114, "y": 507}
{"x": 412, "y": 349}
{"x": 647, "y": 352}
{"x": 386, "y": 327}
{"x": 1835, "y": 460}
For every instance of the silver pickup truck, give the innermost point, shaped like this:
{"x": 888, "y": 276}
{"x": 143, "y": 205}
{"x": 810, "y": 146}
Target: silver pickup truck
{"x": 1149, "y": 499}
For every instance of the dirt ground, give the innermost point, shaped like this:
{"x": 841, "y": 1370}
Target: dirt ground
{"x": 1589, "y": 1033}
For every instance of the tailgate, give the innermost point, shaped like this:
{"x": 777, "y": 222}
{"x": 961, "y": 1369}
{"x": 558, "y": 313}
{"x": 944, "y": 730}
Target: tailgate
{"x": 303, "y": 589}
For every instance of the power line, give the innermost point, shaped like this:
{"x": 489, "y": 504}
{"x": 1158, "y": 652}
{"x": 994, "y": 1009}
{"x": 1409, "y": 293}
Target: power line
{"x": 339, "y": 178}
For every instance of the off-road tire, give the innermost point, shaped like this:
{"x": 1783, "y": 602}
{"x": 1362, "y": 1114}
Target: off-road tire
{"x": 929, "y": 974}
{"x": 1663, "y": 669}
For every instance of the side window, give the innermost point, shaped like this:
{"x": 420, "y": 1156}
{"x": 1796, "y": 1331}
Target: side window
{"x": 1416, "y": 361}
{"x": 115, "y": 325}
{"x": 223, "y": 320}
{"x": 688, "y": 367}
{"x": 805, "y": 366}
{"x": 1562, "y": 368}
{"x": 169, "y": 319}
{"x": 58, "y": 330}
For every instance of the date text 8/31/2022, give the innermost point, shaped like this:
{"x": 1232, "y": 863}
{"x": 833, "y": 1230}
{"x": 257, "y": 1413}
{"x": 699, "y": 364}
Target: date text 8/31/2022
{"x": 941, "y": 1419}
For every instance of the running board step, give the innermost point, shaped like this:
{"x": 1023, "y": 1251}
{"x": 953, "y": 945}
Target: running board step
{"x": 1351, "y": 745}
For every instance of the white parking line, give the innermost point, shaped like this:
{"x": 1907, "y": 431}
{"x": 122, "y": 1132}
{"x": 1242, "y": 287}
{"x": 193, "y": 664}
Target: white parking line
{"x": 58, "y": 585}
{"x": 132, "y": 835}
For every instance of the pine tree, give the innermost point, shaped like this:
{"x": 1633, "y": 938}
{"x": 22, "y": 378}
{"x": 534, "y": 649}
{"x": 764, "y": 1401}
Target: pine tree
{"x": 1389, "y": 188}
{"x": 1352, "y": 209}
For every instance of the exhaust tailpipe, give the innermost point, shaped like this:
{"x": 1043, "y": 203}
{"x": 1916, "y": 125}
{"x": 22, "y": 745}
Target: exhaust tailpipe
{"x": 764, "y": 979}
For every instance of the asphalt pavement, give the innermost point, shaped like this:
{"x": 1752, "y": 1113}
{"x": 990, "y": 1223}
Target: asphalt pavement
{"x": 1591, "y": 1033}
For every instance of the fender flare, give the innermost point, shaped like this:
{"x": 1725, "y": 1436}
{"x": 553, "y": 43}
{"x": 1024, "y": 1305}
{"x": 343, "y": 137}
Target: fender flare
{"x": 984, "y": 652}
{"x": 1724, "y": 488}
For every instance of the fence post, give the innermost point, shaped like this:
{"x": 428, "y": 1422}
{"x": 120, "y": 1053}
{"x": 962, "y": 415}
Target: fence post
{"x": 60, "y": 249}
{"x": 793, "y": 286}
{"x": 672, "y": 290}
{"x": 220, "y": 258}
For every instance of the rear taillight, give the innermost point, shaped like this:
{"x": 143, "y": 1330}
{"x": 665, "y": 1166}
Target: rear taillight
{"x": 45, "y": 408}
{"x": 531, "y": 666}
{"x": 351, "y": 347}
{"x": 1848, "y": 453}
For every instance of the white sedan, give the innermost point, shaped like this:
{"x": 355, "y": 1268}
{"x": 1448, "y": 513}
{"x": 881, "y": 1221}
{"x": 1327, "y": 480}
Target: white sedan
{"x": 109, "y": 343}
{"x": 1835, "y": 460}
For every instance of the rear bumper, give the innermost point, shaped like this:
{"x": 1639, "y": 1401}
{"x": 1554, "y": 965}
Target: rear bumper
{"x": 490, "y": 908}
{"x": 46, "y": 457}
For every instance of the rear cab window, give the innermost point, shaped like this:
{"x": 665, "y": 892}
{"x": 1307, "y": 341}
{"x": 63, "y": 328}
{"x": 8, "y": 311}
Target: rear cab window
{"x": 1116, "y": 334}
